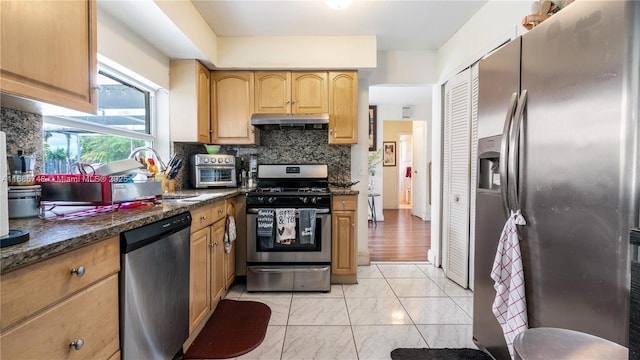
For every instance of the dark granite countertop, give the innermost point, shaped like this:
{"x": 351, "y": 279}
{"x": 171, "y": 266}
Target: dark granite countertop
{"x": 343, "y": 191}
{"x": 54, "y": 236}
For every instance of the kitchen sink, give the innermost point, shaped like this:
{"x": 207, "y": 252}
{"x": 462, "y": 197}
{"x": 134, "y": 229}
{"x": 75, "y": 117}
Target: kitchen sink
{"x": 191, "y": 199}
{"x": 181, "y": 200}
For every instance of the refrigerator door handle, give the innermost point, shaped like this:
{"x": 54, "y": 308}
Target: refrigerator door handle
{"x": 504, "y": 151}
{"x": 514, "y": 151}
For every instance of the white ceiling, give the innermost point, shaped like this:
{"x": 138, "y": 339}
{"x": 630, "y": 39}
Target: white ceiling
{"x": 398, "y": 25}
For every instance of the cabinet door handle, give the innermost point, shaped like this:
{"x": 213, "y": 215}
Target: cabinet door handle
{"x": 293, "y": 101}
{"x": 203, "y": 217}
{"x": 77, "y": 345}
{"x": 78, "y": 272}
{"x": 210, "y": 244}
{"x": 287, "y": 101}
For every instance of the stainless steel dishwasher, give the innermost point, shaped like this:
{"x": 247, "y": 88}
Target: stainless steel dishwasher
{"x": 154, "y": 289}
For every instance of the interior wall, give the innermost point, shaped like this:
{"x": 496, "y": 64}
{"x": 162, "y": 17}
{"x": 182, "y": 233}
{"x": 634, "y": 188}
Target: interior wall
{"x": 496, "y": 22}
{"x": 125, "y": 48}
{"x": 392, "y": 129}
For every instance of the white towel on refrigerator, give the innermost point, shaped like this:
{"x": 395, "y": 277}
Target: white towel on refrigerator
{"x": 510, "y": 305}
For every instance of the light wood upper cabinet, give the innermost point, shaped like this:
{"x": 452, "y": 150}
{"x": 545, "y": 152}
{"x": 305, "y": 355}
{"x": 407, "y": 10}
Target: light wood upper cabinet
{"x": 343, "y": 107}
{"x": 232, "y": 103}
{"x": 49, "y": 52}
{"x": 309, "y": 93}
{"x": 189, "y": 113}
{"x": 284, "y": 92}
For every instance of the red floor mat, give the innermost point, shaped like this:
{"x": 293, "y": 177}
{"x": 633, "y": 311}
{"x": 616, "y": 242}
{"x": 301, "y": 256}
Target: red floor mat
{"x": 234, "y": 328}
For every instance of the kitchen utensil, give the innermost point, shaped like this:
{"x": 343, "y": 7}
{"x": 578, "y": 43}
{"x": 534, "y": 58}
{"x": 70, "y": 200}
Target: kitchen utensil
{"x": 83, "y": 168}
{"x": 24, "y": 201}
{"x": 212, "y": 149}
{"x": 118, "y": 167}
{"x": 21, "y": 169}
{"x": 21, "y": 163}
{"x": 175, "y": 169}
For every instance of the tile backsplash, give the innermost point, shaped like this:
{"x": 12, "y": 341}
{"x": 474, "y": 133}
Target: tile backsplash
{"x": 282, "y": 147}
{"x": 24, "y": 132}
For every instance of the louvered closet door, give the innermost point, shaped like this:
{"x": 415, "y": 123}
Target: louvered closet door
{"x": 457, "y": 177}
{"x": 473, "y": 170}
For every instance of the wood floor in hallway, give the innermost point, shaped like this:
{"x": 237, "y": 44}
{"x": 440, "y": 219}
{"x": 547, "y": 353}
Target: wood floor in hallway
{"x": 400, "y": 237}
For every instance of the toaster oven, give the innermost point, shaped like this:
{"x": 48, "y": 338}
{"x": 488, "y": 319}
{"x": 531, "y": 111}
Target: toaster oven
{"x": 209, "y": 170}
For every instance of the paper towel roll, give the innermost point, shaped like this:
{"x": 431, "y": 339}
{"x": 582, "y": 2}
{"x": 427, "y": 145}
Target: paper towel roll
{"x": 4, "y": 191}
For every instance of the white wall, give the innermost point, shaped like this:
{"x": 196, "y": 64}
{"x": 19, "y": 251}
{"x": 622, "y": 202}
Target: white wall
{"x": 129, "y": 50}
{"x": 291, "y": 52}
{"x": 405, "y": 67}
{"x": 359, "y": 165}
{"x": 496, "y": 22}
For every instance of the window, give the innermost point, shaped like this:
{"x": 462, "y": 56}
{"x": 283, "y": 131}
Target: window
{"x": 123, "y": 123}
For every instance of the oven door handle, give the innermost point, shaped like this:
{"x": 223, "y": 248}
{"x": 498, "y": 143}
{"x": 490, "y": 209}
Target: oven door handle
{"x": 318, "y": 211}
{"x": 286, "y": 269}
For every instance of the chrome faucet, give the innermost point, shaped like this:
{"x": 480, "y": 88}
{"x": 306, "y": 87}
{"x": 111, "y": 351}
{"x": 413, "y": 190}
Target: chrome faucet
{"x": 134, "y": 153}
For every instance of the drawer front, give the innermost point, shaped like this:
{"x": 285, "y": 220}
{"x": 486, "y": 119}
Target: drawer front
{"x": 90, "y": 316}
{"x": 344, "y": 202}
{"x": 219, "y": 211}
{"x": 201, "y": 217}
{"x": 32, "y": 288}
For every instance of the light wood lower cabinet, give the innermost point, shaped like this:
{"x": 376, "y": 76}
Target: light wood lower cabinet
{"x": 84, "y": 326}
{"x": 230, "y": 257}
{"x": 200, "y": 283}
{"x": 208, "y": 270}
{"x": 217, "y": 266}
{"x": 343, "y": 239}
{"x": 68, "y": 298}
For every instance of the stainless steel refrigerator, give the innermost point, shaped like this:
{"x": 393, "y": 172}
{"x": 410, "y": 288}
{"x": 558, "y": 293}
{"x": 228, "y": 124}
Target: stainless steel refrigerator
{"x": 558, "y": 122}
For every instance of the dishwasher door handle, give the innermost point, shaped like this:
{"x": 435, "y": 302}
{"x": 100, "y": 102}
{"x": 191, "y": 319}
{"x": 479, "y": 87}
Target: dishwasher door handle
{"x": 288, "y": 269}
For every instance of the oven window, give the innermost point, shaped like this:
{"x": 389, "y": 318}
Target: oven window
{"x": 271, "y": 243}
{"x": 216, "y": 175}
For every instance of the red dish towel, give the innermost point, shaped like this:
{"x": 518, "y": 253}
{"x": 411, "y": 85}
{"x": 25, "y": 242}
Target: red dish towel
{"x": 407, "y": 172}
{"x": 510, "y": 305}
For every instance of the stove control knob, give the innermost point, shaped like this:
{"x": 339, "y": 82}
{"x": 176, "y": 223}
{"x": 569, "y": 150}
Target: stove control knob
{"x": 227, "y": 161}
{"x": 304, "y": 200}
{"x": 271, "y": 200}
{"x": 205, "y": 160}
{"x": 220, "y": 160}
{"x": 314, "y": 200}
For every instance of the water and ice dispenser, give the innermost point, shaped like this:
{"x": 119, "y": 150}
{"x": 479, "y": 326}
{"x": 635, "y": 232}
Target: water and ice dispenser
{"x": 489, "y": 163}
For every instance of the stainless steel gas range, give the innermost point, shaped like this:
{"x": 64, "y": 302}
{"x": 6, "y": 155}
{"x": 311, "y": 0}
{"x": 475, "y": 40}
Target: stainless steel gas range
{"x": 289, "y": 229}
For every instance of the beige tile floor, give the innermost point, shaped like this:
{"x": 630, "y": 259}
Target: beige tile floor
{"x": 393, "y": 305}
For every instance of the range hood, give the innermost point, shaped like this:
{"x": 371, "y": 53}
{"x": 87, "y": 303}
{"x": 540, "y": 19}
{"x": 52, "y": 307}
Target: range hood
{"x": 306, "y": 121}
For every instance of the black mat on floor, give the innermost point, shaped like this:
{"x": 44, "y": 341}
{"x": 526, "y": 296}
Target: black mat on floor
{"x": 438, "y": 354}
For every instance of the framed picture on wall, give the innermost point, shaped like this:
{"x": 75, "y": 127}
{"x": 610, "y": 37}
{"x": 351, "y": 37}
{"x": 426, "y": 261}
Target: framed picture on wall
{"x": 373, "y": 119}
{"x": 389, "y": 153}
